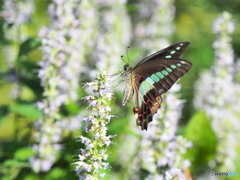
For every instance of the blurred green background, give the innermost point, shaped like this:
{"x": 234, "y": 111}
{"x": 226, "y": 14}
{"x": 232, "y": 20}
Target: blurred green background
{"x": 40, "y": 37}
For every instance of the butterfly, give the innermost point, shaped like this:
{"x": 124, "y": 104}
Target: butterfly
{"x": 152, "y": 77}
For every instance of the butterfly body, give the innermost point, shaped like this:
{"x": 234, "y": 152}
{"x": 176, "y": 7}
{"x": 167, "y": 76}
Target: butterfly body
{"x": 152, "y": 77}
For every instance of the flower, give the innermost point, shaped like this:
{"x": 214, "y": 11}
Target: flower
{"x": 93, "y": 157}
{"x": 59, "y": 73}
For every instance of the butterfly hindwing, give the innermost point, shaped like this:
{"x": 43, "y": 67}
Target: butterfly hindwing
{"x": 144, "y": 113}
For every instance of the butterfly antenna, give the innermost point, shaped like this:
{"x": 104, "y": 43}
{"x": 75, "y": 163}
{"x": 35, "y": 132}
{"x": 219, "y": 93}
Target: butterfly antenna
{"x": 123, "y": 59}
{"x": 127, "y": 53}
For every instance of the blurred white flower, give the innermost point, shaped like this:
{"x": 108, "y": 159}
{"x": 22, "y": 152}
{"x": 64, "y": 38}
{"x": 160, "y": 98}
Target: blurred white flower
{"x": 64, "y": 48}
{"x": 216, "y": 94}
{"x": 223, "y": 24}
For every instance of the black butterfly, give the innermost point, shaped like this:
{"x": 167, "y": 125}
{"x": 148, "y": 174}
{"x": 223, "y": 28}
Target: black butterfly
{"x": 152, "y": 77}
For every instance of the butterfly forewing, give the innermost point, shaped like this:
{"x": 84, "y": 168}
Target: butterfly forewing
{"x": 173, "y": 51}
{"x": 161, "y": 74}
{"x": 152, "y": 77}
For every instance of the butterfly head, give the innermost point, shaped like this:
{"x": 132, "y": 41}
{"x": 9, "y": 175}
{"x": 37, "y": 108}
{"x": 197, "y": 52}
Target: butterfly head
{"x": 126, "y": 67}
{"x": 126, "y": 72}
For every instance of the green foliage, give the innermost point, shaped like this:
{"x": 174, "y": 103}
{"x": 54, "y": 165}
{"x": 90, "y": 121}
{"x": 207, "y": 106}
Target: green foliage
{"x": 57, "y": 173}
{"x": 29, "y": 45}
{"x": 24, "y": 154}
{"x": 71, "y": 109}
{"x": 204, "y": 140}
{"x": 26, "y": 110}
{"x": 11, "y": 168}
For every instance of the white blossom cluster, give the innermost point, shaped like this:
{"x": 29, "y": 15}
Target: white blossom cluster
{"x": 75, "y": 29}
{"x": 218, "y": 95}
{"x": 114, "y": 28}
{"x": 155, "y": 33}
{"x": 94, "y": 156}
{"x": 63, "y": 51}
{"x": 16, "y": 14}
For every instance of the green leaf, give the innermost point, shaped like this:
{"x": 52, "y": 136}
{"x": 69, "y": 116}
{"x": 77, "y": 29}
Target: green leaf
{"x": 199, "y": 131}
{"x": 27, "y": 110}
{"x": 15, "y": 163}
{"x": 72, "y": 108}
{"x": 56, "y": 173}
{"x": 24, "y": 153}
{"x": 5, "y": 178}
{"x": 32, "y": 177}
{"x": 29, "y": 45}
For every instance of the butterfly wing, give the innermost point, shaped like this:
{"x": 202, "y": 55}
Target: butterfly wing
{"x": 154, "y": 76}
{"x": 152, "y": 80}
{"x": 173, "y": 51}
